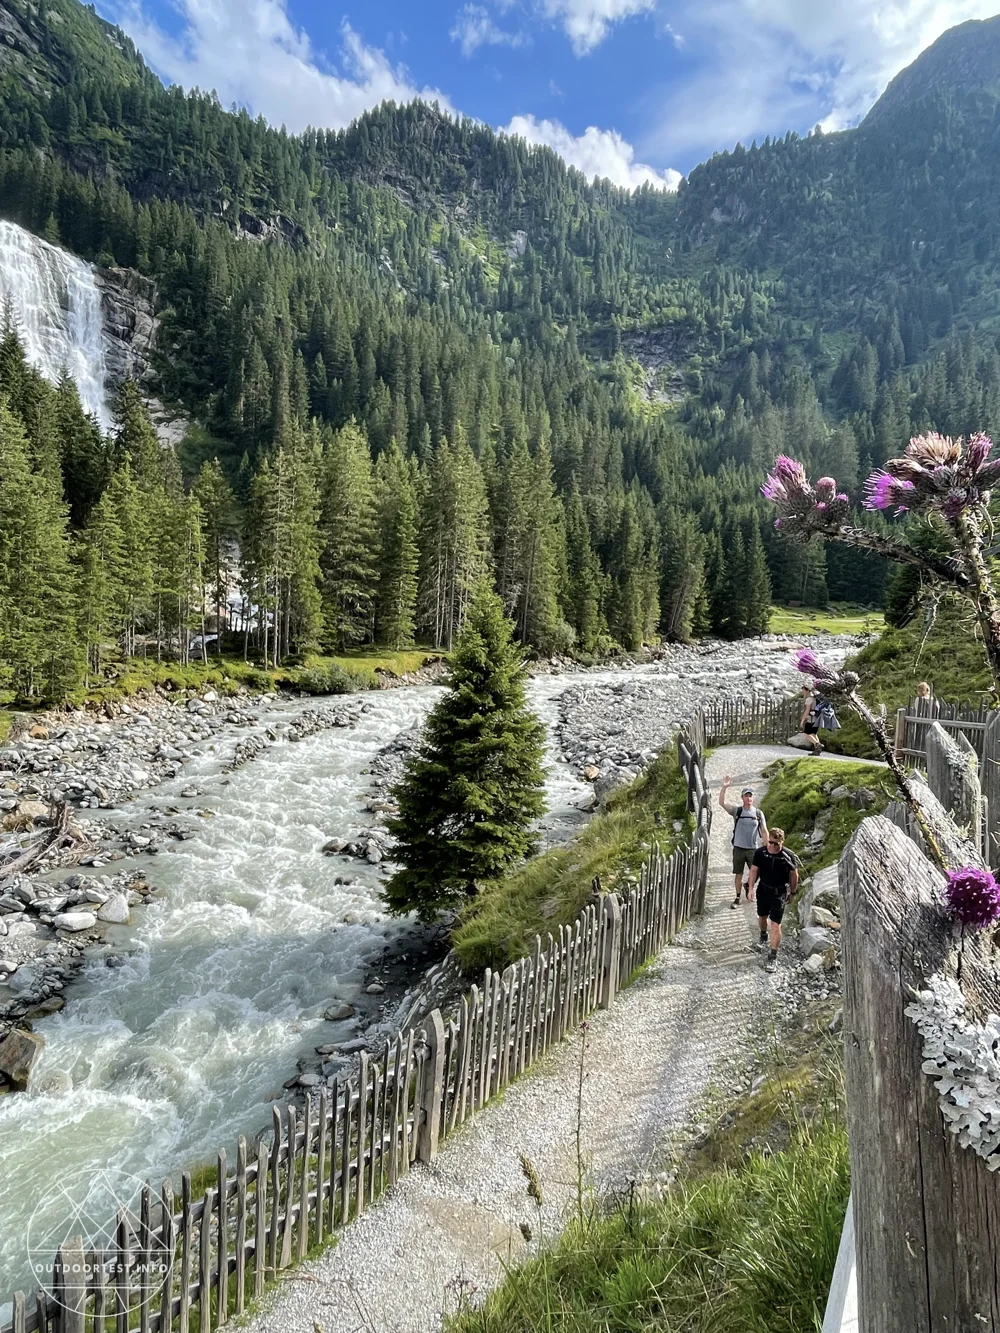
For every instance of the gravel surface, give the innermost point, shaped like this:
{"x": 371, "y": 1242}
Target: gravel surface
{"x": 447, "y": 1229}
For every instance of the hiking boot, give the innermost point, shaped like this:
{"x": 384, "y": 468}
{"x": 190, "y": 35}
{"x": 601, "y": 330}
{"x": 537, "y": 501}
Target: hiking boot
{"x": 772, "y": 961}
{"x": 735, "y": 904}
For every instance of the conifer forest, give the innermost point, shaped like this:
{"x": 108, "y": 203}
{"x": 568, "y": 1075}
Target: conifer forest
{"x": 416, "y": 354}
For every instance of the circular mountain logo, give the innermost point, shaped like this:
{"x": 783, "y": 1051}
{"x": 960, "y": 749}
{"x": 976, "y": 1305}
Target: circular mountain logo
{"x": 87, "y": 1235}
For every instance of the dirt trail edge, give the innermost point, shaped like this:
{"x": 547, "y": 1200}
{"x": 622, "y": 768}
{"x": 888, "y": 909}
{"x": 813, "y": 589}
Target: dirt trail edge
{"x": 448, "y": 1228}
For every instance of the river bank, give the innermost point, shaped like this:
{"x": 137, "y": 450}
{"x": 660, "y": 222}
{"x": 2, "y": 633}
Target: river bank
{"x": 185, "y": 1023}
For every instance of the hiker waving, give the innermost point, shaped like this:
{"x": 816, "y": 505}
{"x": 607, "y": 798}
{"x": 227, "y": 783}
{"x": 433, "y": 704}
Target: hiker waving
{"x": 749, "y": 833}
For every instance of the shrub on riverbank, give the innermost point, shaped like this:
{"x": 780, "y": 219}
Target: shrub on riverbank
{"x": 551, "y": 889}
{"x": 744, "y": 1242}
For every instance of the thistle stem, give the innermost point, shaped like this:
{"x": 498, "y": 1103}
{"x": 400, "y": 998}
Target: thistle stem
{"x": 969, "y": 530}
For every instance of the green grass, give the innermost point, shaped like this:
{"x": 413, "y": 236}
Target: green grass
{"x": 839, "y": 618}
{"x": 799, "y": 789}
{"x": 550, "y": 890}
{"x": 950, "y": 656}
{"x": 747, "y": 1249}
{"x": 316, "y": 675}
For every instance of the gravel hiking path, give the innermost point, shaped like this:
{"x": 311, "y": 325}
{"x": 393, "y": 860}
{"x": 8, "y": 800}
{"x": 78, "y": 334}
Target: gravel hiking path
{"x": 449, "y": 1228}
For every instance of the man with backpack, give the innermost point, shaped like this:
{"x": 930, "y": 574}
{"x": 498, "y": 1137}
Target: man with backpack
{"x": 749, "y": 833}
{"x": 776, "y": 871}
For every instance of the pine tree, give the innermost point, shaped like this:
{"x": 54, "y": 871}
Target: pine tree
{"x": 454, "y": 540}
{"x": 399, "y": 555}
{"x": 469, "y": 798}
{"x": 38, "y": 642}
{"x": 756, "y": 603}
{"x": 349, "y": 556}
{"x": 220, "y": 529}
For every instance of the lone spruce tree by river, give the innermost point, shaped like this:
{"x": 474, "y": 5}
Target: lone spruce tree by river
{"x": 470, "y": 796}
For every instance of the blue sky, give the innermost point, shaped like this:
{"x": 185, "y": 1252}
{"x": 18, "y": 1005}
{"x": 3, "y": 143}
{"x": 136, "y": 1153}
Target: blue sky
{"x": 635, "y": 90}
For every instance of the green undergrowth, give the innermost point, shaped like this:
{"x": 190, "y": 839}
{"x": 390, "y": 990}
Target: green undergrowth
{"x": 837, "y": 618}
{"x": 949, "y": 655}
{"x": 744, "y": 1240}
{"x": 548, "y": 891}
{"x": 799, "y": 789}
{"x": 346, "y": 674}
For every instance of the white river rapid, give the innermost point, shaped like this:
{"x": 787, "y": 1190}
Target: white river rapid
{"x": 155, "y": 1065}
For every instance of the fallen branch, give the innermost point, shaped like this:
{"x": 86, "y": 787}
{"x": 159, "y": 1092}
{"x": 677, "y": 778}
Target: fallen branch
{"x": 58, "y": 834}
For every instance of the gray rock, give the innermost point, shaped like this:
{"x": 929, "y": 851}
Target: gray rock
{"x": 18, "y": 1052}
{"x": 819, "y": 916}
{"x": 376, "y": 988}
{"x": 863, "y": 799}
{"x": 338, "y": 1011}
{"x": 351, "y": 1047}
{"x": 115, "y": 910}
{"x": 75, "y": 921}
{"x": 309, "y": 1080}
{"x": 334, "y": 846}
{"x": 373, "y": 853}
{"x": 814, "y": 939}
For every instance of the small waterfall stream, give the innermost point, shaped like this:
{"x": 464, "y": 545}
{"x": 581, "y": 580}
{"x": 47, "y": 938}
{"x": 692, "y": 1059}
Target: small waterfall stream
{"x": 56, "y": 303}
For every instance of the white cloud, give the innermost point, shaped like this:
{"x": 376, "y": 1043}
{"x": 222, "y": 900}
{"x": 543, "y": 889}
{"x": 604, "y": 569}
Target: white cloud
{"x": 474, "y": 28}
{"x": 251, "y": 53}
{"x": 763, "y": 66}
{"x": 595, "y": 152}
{"x": 586, "y": 22}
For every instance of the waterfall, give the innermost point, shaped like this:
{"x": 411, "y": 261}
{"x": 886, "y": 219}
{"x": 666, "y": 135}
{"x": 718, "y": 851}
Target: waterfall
{"x": 57, "y": 305}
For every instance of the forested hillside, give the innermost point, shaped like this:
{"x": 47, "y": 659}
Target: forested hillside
{"x": 422, "y": 352}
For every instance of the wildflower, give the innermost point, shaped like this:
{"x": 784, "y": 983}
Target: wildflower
{"x": 973, "y": 896}
{"x": 803, "y": 510}
{"x": 885, "y": 491}
{"x": 936, "y": 472}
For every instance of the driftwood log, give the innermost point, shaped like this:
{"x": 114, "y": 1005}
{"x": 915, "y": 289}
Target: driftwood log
{"x": 926, "y": 1210}
{"x": 57, "y": 835}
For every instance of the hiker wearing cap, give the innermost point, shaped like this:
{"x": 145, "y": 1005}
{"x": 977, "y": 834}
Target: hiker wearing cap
{"x": 749, "y": 832}
{"x": 775, "y": 875}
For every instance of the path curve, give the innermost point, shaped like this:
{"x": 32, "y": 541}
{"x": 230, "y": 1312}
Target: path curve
{"x": 448, "y": 1227}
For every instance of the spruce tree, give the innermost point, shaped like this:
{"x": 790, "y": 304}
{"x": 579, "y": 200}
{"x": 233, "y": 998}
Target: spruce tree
{"x": 220, "y": 529}
{"x": 347, "y": 523}
{"x": 470, "y": 796}
{"x": 399, "y": 556}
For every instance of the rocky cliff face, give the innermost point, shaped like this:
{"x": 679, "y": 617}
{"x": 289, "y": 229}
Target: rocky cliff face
{"x": 128, "y": 302}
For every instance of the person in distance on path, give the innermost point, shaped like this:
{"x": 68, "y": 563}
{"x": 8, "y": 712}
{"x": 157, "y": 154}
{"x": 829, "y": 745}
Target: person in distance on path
{"x": 749, "y": 833}
{"x": 775, "y": 874}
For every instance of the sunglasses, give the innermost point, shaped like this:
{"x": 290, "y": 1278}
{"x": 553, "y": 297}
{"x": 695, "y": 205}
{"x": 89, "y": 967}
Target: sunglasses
{"x": 773, "y": 842}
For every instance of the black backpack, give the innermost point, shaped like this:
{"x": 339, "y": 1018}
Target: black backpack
{"x": 742, "y": 814}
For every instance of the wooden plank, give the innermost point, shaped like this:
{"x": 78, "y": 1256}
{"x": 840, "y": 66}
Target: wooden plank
{"x": 462, "y": 1068}
{"x": 122, "y": 1300}
{"x": 363, "y": 1134}
{"x": 409, "y": 1093}
{"x": 187, "y": 1245}
{"x": 322, "y": 1178}
{"x": 240, "y": 1296}
{"x": 287, "y": 1219}
{"x": 99, "y": 1286}
{"x": 146, "y": 1287}
{"x": 349, "y": 1119}
{"x": 926, "y": 1210}
{"x": 335, "y": 1105}
{"x": 305, "y": 1181}
{"x": 384, "y": 1112}
{"x": 260, "y": 1236}
{"x": 274, "y": 1191}
{"x": 204, "y": 1265}
{"x": 18, "y": 1320}
{"x": 222, "y": 1240}
{"x": 168, "y": 1240}
{"x": 375, "y": 1075}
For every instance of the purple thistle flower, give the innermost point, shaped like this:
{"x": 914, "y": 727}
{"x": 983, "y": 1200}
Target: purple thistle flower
{"x": 977, "y": 451}
{"x": 973, "y": 896}
{"x": 790, "y": 471}
{"x": 933, "y": 449}
{"x": 809, "y": 664}
{"x": 826, "y": 489}
{"x": 773, "y": 489}
{"x": 885, "y": 491}
{"x": 842, "y": 498}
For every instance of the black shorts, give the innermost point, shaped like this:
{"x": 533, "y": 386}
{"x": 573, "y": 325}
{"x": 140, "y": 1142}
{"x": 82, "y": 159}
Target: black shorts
{"x": 771, "y": 902}
{"x": 810, "y": 728}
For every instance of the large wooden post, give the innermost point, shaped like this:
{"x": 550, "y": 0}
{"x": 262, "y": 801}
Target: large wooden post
{"x": 610, "y": 963}
{"x": 926, "y": 1210}
{"x": 71, "y": 1286}
{"x": 432, "y": 1091}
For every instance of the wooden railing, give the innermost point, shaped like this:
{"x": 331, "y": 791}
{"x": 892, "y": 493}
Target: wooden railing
{"x": 197, "y": 1265}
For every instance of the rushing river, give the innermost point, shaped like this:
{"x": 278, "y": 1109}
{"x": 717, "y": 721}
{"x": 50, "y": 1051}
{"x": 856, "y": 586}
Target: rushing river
{"x": 155, "y": 1065}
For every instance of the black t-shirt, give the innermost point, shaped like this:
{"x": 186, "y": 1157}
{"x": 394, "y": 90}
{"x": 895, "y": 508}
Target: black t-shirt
{"x": 774, "y": 869}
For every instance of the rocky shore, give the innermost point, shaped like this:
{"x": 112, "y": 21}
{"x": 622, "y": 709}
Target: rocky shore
{"x": 55, "y": 776}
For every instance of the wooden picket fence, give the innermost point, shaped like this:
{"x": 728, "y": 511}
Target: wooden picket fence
{"x": 761, "y": 720}
{"x": 194, "y": 1263}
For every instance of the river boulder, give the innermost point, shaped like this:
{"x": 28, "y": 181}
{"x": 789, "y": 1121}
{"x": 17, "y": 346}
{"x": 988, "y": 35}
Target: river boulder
{"x": 18, "y": 1052}
{"x": 74, "y": 921}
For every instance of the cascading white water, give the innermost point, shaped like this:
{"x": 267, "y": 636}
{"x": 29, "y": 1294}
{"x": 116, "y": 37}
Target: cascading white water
{"x": 155, "y": 1065}
{"x": 57, "y": 305}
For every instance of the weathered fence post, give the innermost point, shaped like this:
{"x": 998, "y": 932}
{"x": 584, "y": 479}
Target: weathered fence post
{"x": 432, "y": 1089}
{"x": 952, "y": 775}
{"x": 71, "y": 1286}
{"x": 926, "y": 1210}
{"x": 610, "y": 963}
{"x": 989, "y": 780}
